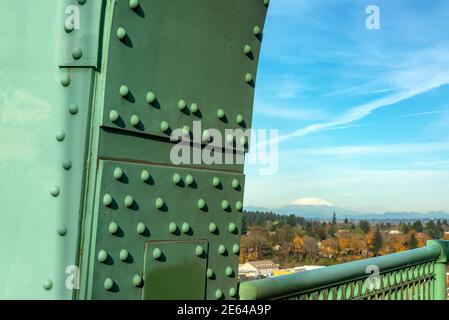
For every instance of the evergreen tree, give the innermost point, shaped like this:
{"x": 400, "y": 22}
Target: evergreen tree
{"x": 413, "y": 242}
{"x": 365, "y": 226}
{"x": 346, "y": 221}
{"x": 418, "y": 226}
{"x": 334, "y": 219}
{"x": 433, "y": 230}
{"x": 377, "y": 242}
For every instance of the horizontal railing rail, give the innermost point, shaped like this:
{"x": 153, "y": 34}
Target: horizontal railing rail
{"x": 413, "y": 274}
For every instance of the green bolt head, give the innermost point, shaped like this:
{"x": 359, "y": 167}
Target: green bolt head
{"x": 239, "y": 206}
{"x": 229, "y": 139}
{"x": 232, "y": 292}
{"x": 62, "y": 230}
{"x": 74, "y": 108}
{"x": 194, "y": 108}
{"x": 118, "y": 173}
{"x": 65, "y": 81}
{"x": 186, "y": 131}
{"x": 235, "y": 183}
{"x": 209, "y": 273}
{"x": 141, "y": 228}
{"x": 164, "y": 126}
{"x": 212, "y": 227}
{"x": 157, "y": 253}
{"x": 77, "y": 53}
{"x": 189, "y": 179}
{"x": 145, "y": 175}
{"x": 228, "y": 271}
{"x": 199, "y": 251}
{"x": 216, "y": 182}
{"x": 121, "y": 33}
{"x": 113, "y": 227}
{"x": 221, "y": 249}
{"x": 176, "y": 178}
{"x": 225, "y": 205}
{"x": 134, "y": 120}
{"x": 218, "y": 294}
{"x": 243, "y": 141}
{"x": 206, "y": 136}
{"x": 55, "y": 191}
{"x": 220, "y": 113}
{"x": 232, "y": 227}
{"x": 107, "y": 200}
{"x": 48, "y": 284}
{"x": 266, "y": 2}
{"x": 201, "y": 204}
{"x": 247, "y": 49}
{"x": 248, "y": 77}
{"x": 172, "y": 227}
{"x": 236, "y": 248}
{"x": 67, "y": 164}
{"x": 102, "y": 256}
{"x": 182, "y": 104}
{"x": 129, "y": 201}
{"x": 159, "y": 203}
{"x": 151, "y": 97}
{"x": 137, "y": 280}
{"x": 108, "y": 284}
{"x": 133, "y": 4}
{"x": 185, "y": 227}
{"x": 123, "y": 255}
{"x": 124, "y": 90}
{"x": 239, "y": 119}
{"x": 113, "y": 115}
{"x": 60, "y": 135}
{"x": 257, "y": 31}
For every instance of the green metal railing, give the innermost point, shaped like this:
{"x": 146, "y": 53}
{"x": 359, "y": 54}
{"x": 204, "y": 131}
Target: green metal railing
{"x": 418, "y": 274}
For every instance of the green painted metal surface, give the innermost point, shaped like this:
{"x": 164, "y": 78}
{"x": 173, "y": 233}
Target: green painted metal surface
{"x": 409, "y": 275}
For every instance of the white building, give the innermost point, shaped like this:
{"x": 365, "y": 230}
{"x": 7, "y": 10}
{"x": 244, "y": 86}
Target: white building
{"x": 255, "y": 269}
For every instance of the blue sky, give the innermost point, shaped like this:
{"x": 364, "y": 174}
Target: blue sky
{"x": 363, "y": 115}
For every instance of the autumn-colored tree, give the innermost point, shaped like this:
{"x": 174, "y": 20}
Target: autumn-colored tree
{"x": 310, "y": 247}
{"x": 329, "y": 247}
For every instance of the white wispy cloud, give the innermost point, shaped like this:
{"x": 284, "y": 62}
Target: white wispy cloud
{"x": 426, "y": 113}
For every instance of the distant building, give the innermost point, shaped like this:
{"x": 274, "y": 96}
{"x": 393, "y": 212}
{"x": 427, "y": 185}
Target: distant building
{"x": 394, "y": 232}
{"x": 277, "y": 247}
{"x": 281, "y": 272}
{"x": 256, "y": 269}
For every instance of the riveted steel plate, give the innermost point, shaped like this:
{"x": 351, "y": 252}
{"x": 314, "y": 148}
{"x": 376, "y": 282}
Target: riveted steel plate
{"x": 138, "y": 203}
{"x": 182, "y": 50}
{"x": 178, "y": 274}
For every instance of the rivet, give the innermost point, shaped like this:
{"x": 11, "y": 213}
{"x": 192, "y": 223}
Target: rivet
{"x": 257, "y": 30}
{"x": 194, "y": 108}
{"x": 201, "y": 204}
{"x": 235, "y": 183}
{"x": 232, "y": 227}
{"x": 67, "y": 164}
{"x": 102, "y": 256}
{"x": 172, "y": 227}
{"x": 176, "y": 178}
{"x": 77, "y": 53}
{"x": 229, "y": 271}
{"x": 164, "y": 126}
{"x": 62, "y": 230}
{"x": 186, "y": 131}
{"x": 73, "y": 108}
{"x": 247, "y": 49}
{"x": 107, "y": 200}
{"x": 224, "y": 204}
{"x": 124, "y": 90}
{"x": 248, "y": 77}
{"x": 206, "y": 136}
{"x": 199, "y": 251}
{"x": 68, "y": 27}
{"x": 243, "y": 141}
{"x": 266, "y": 2}
{"x": 121, "y": 33}
{"x": 133, "y": 4}
{"x": 129, "y": 201}
{"x": 123, "y": 255}
{"x": 55, "y": 191}
{"x": 60, "y": 135}
{"x": 141, "y": 228}
{"x": 159, "y": 203}
{"x": 145, "y": 175}
{"x": 239, "y": 119}
{"x": 189, "y": 179}
{"x": 118, "y": 173}
{"x": 108, "y": 284}
{"x": 65, "y": 81}
{"x": 209, "y": 273}
{"x": 221, "y": 249}
{"x": 212, "y": 227}
{"x": 220, "y": 113}
{"x": 81, "y": 2}
{"x": 239, "y": 205}
{"x": 216, "y": 181}
{"x": 157, "y": 253}
{"x": 230, "y": 138}
{"x": 134, "y": 120}
{"x": 113, "y": 228}
{"x": 137, "y": 280}
{"x": 48, "y": 284}
{"x": 232, "y": 292}
{"x": 236, "y": 248}
{"x": 185, "y": 227}
{"x": 182, "y": 104}
{"x": 150, "y": 97}
{"x": 218, "y": 294}
{"x": 113, "y": 115}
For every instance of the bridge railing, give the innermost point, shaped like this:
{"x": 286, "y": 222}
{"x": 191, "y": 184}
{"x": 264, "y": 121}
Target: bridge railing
{"x": 418, "y": 274}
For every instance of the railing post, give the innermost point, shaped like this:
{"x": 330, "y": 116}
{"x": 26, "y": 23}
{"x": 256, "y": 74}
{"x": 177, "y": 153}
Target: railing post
{"x": 440, "y": 286}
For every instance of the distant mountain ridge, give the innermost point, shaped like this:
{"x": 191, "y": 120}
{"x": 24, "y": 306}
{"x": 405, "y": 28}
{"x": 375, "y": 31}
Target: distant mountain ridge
{"x": 318, "y": 212}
